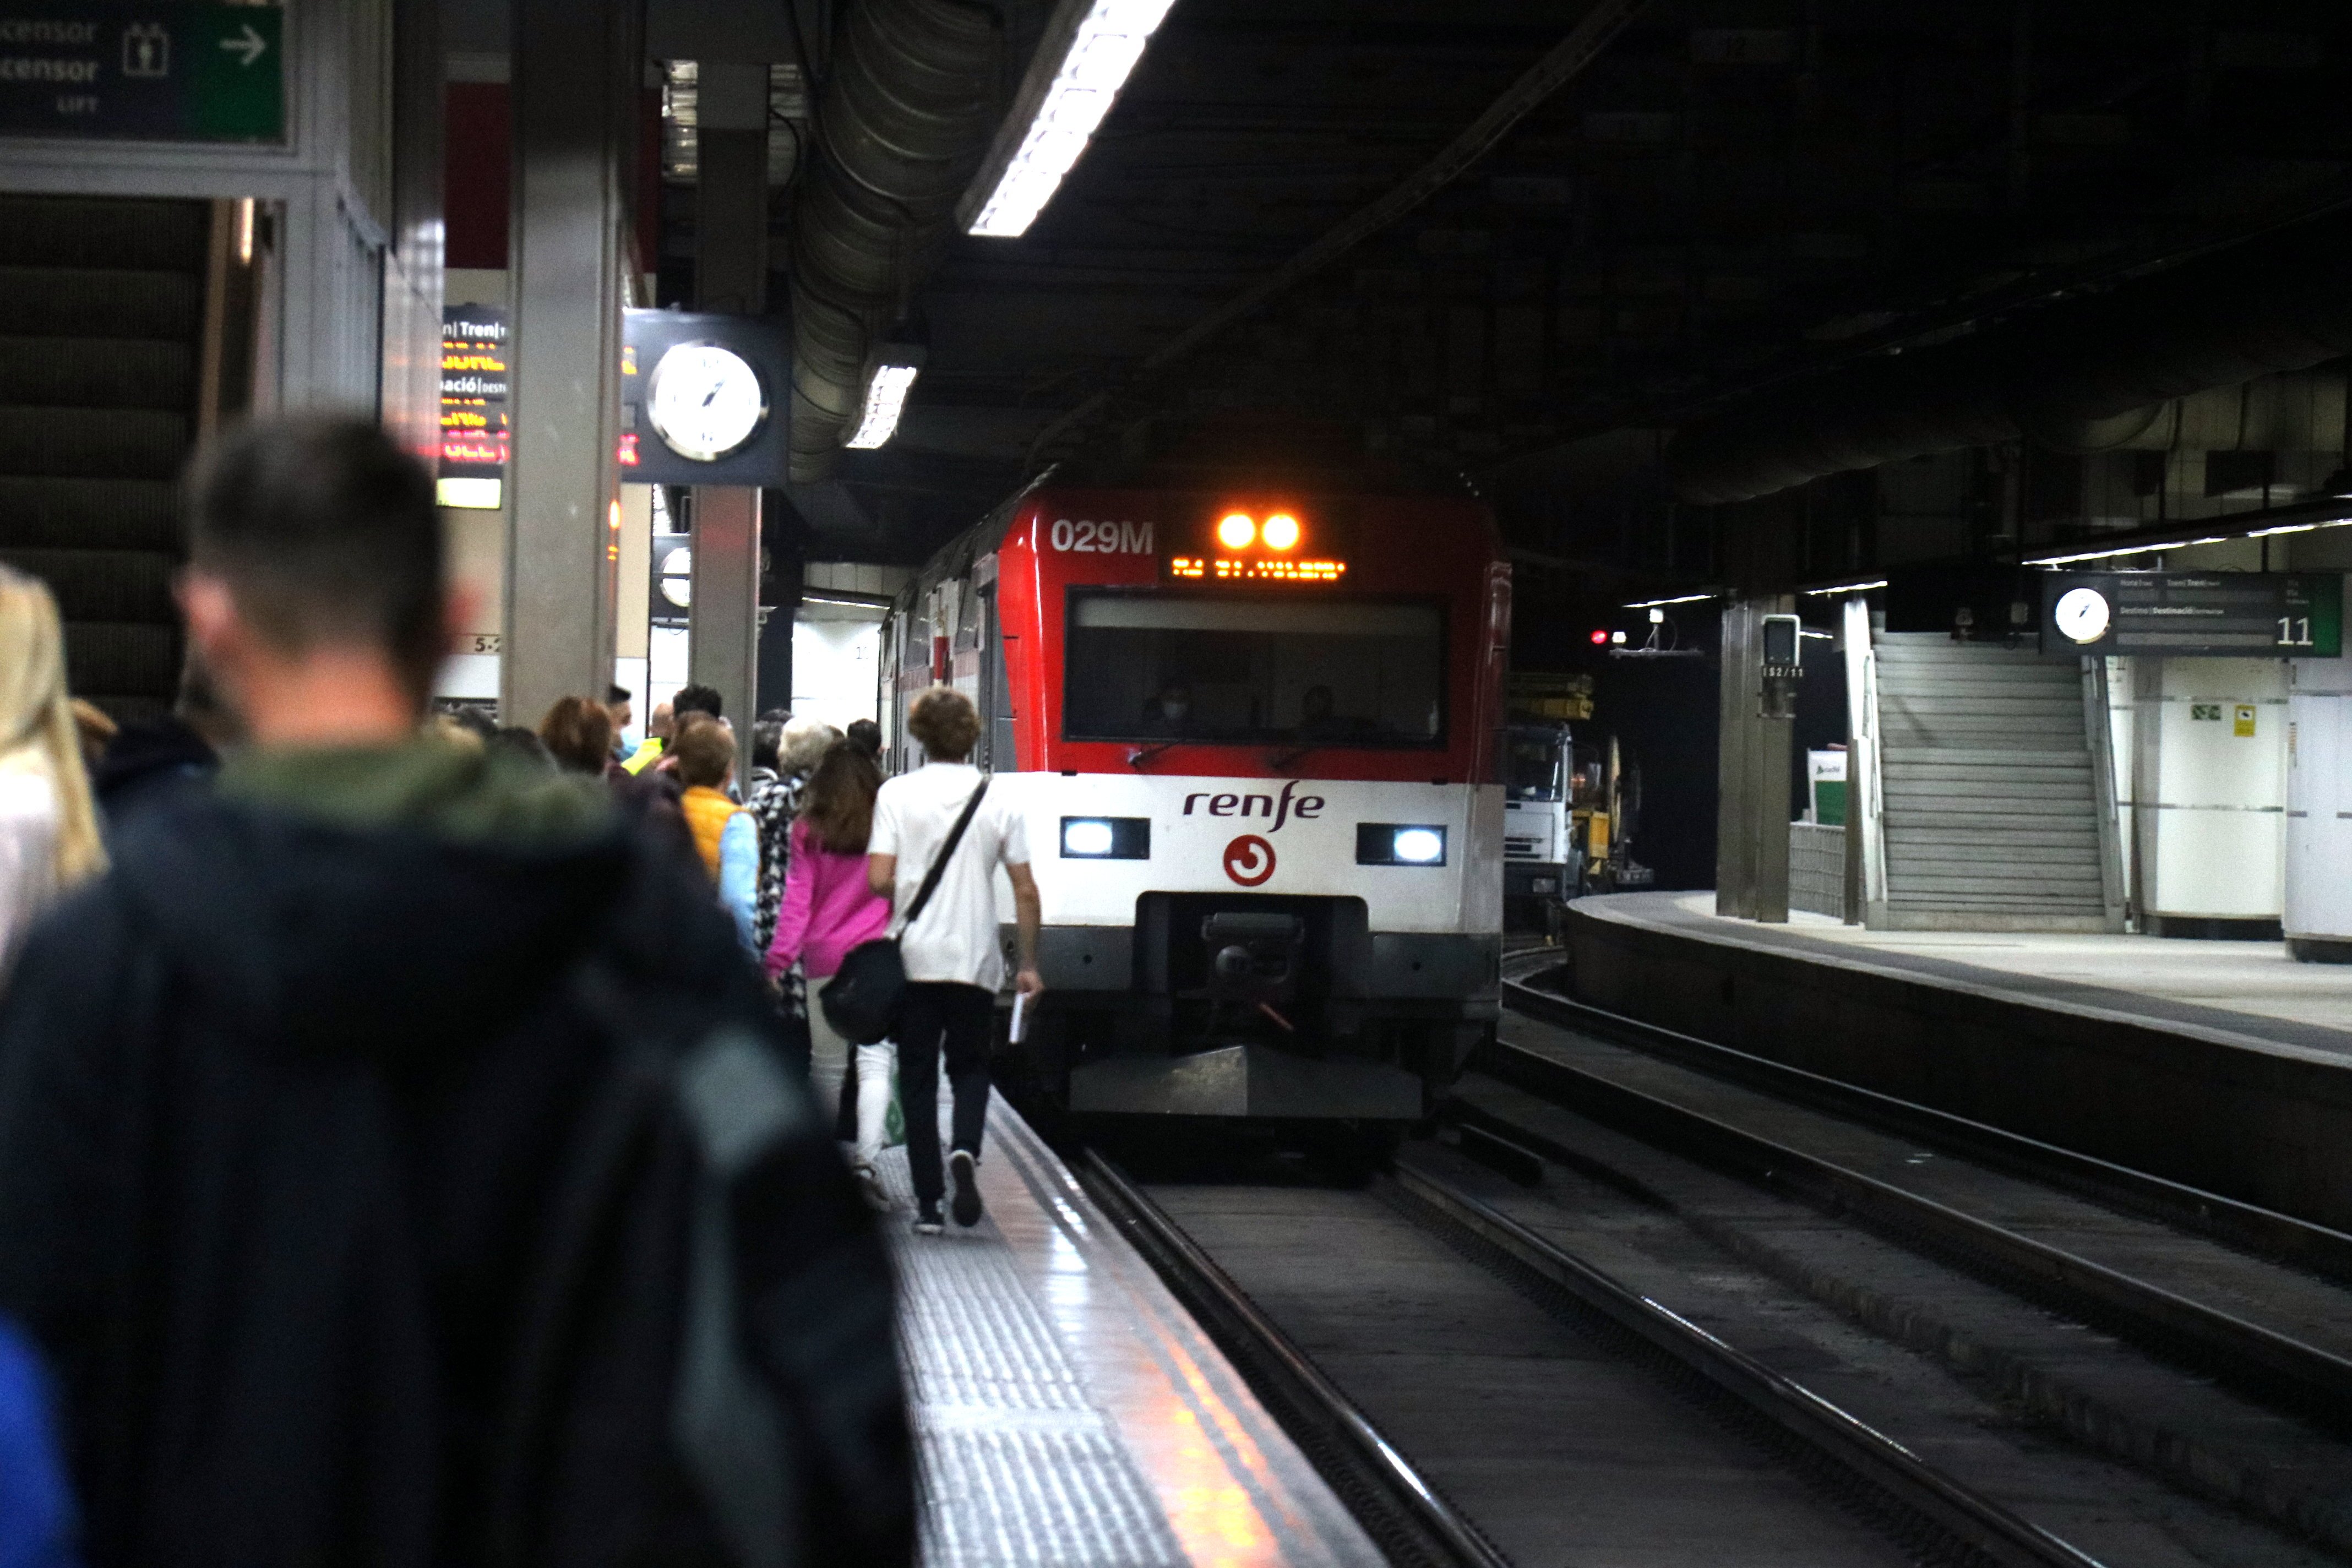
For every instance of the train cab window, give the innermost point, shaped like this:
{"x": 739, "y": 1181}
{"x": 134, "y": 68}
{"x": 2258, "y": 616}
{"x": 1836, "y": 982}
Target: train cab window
{"x": 1157, "y": 667}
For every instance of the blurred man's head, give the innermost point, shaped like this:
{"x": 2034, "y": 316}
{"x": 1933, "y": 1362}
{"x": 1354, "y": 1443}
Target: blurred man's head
{"x": 699, "y": 698}
{"x": 617, "y": 704}
{"x": 866, "y": 735}
{"x": 661, "y": 724}
{"x": 313, "y": 588}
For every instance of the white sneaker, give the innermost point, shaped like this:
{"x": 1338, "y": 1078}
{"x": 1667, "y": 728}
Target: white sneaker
{"x": 963, "y": 1172}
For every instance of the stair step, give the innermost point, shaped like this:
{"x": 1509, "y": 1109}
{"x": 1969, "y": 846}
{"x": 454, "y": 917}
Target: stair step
{"x": 121, "y": 658}
{"x": 97, "y": 372}
{"x": 103, "y": 584}
{"x": 98, "y": 444}
{"x": 99, "y": 514}
{"x": 60, "y": 303}
{"x": 104, "y": 234}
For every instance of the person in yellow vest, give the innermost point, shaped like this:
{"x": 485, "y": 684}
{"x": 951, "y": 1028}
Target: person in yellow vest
{"x": 656, "y": 741}
{"x": 723, "y": 831}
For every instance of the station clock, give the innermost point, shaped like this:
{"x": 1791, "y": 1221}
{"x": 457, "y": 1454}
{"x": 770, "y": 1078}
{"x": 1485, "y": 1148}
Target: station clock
{"x": 704, "y": 401}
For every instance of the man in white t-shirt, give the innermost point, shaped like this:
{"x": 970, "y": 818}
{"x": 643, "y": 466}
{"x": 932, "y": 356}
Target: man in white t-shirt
{"x": 953, "y": 966}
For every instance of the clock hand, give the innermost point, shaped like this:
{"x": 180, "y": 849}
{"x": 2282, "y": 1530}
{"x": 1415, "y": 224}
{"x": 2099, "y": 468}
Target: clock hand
{"x": 709, "y": 398}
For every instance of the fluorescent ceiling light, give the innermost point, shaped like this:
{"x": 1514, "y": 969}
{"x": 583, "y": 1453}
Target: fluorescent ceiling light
{"x": 2150, "y": 546}
{"x": 2141, "y": 549}
{"x": 1653, "y": 603}
{"x": 1845, "y": 588}
{"x": 1085, "y": 57}
{"x": 886, "y": 399}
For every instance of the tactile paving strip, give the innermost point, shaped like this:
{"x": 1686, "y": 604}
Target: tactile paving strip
{"x": 1019, "y": 1467}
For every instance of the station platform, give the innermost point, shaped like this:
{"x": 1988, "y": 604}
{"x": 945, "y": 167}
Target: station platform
{"x": 2251, "y": 990}
{"x": 2226, "y": 1066}
{"x": 1068, "y": 1409}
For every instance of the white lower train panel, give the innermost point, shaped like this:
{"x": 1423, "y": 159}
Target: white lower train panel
{"x": 1266, "y": 835}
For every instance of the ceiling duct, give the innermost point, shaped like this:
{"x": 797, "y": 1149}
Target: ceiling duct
{"x": 904, "y": 117}
{"x": 2071, "y": 376}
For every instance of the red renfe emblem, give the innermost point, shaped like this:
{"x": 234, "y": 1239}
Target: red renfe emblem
{"x": 1249, "y": 859}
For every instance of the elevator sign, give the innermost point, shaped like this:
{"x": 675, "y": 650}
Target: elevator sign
{"x": 145, "y": 70}
{"x": 2194, "y": 615}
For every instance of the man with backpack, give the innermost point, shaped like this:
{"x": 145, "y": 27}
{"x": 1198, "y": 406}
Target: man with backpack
{"x": 942, "y": 815}
{"x": 396, "y": 1167}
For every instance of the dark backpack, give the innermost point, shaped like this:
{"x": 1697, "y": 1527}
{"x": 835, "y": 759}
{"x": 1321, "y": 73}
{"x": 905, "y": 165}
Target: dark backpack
{"x": 700, "y": 1367}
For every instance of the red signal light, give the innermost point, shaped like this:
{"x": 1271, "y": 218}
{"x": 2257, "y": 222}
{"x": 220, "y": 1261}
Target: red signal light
{"x": 1600, "y": 639}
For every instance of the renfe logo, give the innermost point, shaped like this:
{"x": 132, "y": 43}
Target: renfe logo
{"x": 1249, "y": 859}
{"x": 1102, "y": 538}
{"x": 1280, "y": 809}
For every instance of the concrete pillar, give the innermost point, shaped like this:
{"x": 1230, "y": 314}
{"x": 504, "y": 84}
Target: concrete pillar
{"x": 731, "y": 275}
{"x": 1751, "y": 855}
{"x": 574, "y": 93}
{"x": 724, "y": 626}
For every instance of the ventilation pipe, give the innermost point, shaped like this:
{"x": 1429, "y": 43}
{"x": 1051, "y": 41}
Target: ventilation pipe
{"x": 2075, "y": 376}
{"x": 902, "y": 123}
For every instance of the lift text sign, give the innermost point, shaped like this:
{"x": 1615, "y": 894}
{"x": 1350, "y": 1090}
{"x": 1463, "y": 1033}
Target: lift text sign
{"x": 2241, "y": 615}
{"x": 156, "y": 70}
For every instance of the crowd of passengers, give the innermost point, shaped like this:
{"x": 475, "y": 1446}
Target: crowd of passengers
{"x": 429, "y": 1142}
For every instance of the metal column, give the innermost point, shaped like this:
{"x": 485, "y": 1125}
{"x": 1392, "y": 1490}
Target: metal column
{"x": 1751, "y": 856}
{"x": 731, "y": 275}
{"x": 575, "y": 97}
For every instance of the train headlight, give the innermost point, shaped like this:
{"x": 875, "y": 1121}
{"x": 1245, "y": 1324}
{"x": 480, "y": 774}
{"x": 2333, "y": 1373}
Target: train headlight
{"x": 1400, "y": 844}
{"x": 1281, "y": 532}
{"x": 1106, "y": 839}
{"x": 1235, "y": 530}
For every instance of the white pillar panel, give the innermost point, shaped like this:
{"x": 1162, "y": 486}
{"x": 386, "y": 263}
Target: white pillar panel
{"x": 2318, "y": 905}
{"x": 2210, "y": 787}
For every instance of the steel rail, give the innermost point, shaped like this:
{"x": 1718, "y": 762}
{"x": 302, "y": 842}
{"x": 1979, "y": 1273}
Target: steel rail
{"x": 2307, "y": 1377}
{"x": 2234, "y": 1222}
{"x": 1237, "y": 1322}
{"x": 1847, "y": 1441}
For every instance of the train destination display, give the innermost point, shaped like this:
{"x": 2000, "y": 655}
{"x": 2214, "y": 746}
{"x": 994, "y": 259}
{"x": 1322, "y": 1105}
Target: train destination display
{"x": 2217, "y": 615}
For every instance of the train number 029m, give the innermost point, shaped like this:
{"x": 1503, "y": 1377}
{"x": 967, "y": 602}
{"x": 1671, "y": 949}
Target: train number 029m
{"x": 1103, "y": 538}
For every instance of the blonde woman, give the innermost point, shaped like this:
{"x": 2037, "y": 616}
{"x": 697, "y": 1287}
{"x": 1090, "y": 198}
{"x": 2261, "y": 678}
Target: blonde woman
{"x": 48, "y": 829}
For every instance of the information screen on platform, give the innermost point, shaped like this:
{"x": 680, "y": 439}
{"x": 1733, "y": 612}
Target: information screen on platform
{"x": 2212, "y": 615}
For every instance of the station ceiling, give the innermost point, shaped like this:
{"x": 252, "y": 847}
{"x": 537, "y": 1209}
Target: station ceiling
{"x": 1732, "y": 194}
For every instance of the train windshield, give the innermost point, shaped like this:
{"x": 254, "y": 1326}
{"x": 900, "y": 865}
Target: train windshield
{"x": 1158, "y": 666}
{"x": 1531, "y": 763}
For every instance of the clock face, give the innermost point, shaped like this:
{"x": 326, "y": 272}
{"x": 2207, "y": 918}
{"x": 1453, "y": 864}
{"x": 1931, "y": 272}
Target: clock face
{"x": 2082, "y": 615}
{"x": 704, "y": 401}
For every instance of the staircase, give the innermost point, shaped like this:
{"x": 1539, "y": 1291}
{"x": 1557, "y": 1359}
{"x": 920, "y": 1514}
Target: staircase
{"x": 100, "y": 336}
{"x": 1991, "y": 815}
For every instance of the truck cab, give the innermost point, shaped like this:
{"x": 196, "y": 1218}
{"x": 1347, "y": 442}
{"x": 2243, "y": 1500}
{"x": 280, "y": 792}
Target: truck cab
{"x": 1543, "y": 860}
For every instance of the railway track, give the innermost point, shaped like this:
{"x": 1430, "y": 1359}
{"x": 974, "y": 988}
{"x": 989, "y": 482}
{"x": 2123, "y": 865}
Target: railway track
{"x": 1819, "y": 1484}
{"x": 2205, "y": 1342}
{"x": 1648, "y": 1300}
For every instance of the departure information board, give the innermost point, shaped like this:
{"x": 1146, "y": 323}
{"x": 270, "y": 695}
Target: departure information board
{"x": 2193, "y": 615}
{"x": 475, "y": 443}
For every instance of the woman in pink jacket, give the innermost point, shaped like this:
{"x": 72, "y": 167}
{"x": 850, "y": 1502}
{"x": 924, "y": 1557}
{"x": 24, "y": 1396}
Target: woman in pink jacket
{"x": 827, "y": 910}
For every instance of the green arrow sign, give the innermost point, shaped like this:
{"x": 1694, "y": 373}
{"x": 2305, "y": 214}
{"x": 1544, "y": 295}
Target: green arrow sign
{"x": 151, "y": 69}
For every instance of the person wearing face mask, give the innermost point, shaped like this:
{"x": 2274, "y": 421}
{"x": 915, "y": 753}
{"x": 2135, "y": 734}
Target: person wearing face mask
{"x": 1167, "y": 713}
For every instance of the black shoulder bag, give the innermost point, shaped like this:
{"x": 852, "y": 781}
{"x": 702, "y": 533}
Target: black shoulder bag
{"x": 863, "y": 998}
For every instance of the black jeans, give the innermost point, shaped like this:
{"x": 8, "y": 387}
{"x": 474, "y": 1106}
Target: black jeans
{"x": 962, "y": 1017}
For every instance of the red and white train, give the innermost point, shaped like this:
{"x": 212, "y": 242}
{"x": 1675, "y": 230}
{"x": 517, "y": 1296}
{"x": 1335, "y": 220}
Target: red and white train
{"x": 1257, "y": 739}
